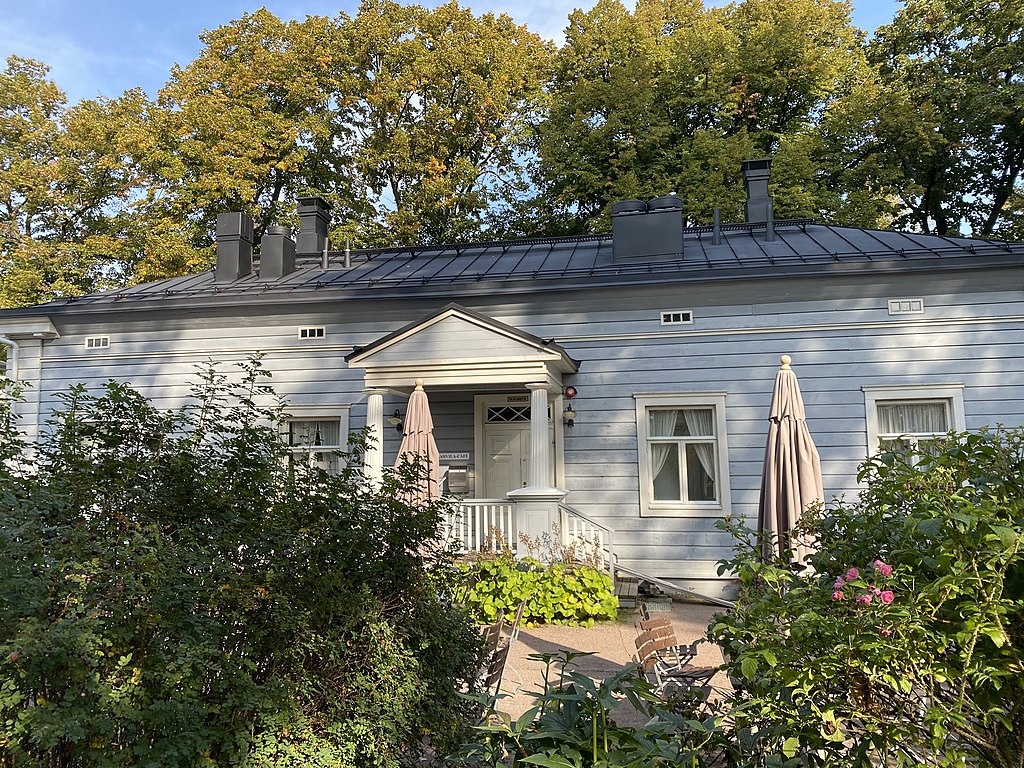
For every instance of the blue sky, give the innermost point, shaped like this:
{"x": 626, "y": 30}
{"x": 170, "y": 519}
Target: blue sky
{"x": 97, "y": 48}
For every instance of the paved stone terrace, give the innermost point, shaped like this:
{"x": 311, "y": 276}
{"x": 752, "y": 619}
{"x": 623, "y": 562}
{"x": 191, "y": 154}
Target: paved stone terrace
{"x": 612, "y": 646}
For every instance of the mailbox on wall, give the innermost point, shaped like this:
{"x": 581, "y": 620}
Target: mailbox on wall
{"x": 458, "y": 474}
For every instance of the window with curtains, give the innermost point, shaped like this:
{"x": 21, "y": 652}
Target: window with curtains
{"x": 912, "y": 417}
{"x": 683, "y": 457}
{"x": 319, "y": 438}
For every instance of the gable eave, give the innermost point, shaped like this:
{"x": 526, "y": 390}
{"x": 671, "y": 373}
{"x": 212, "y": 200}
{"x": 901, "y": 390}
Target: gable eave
{"x": 551, "y": 351}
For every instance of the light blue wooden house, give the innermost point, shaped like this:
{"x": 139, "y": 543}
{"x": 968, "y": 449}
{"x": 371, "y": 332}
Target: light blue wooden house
{"x": 614, "y": 385}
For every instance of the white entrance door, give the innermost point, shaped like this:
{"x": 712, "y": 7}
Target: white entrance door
{"x": 506, "y": 444}
{"x": 508, "y": 457}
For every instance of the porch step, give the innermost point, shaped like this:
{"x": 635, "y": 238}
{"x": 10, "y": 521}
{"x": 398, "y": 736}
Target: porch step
{"x": 625, "y": 589}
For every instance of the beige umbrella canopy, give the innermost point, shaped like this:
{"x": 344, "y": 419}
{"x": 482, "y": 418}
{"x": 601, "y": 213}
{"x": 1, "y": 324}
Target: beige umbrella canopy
{"x": 792, "y": 469}
{"x": 418, "y": 445}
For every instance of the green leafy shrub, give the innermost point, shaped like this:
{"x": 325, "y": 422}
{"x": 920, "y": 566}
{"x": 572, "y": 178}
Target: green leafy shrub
{"x": 572, "y": 725}
{"x": 905, "y": 645}
{"x": 174, "y": 591}
{"x": 559, "y": 593}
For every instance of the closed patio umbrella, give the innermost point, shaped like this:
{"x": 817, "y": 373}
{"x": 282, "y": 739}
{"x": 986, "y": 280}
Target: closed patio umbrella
{"x": 792, "y": 468}
{"x": 418, "y": 445}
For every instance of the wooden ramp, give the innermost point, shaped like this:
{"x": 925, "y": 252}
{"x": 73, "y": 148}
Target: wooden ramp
{"x": 624, "y": 575}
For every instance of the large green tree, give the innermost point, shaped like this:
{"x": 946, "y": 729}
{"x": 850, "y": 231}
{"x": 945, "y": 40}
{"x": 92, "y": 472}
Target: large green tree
{"x": 673, "y": 96}
{"x": 408, "y": 120}
{"x": 948, "y": 123}
{"x": 245, "y": 126}
{"x": 438, "y": 112}
{"x": 66, "y": 187}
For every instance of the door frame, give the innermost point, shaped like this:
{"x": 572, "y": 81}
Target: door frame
{"x": 480, "y": 405}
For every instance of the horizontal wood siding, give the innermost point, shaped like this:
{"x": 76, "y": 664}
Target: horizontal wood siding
{"x": 841, "y": 339}
{"x": 984, "y": 353}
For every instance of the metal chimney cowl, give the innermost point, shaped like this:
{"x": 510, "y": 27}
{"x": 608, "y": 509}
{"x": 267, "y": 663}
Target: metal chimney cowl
{"x": 314, "y": 221}
{"x": 234, "y": 246}
{"x": 755, "y": 180}
{"x": 650, "y": 231}
{"x": 277, "y": 253}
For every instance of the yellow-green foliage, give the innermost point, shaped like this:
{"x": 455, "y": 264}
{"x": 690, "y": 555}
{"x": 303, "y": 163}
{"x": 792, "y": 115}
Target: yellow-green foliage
{"x": 561, "y": 593}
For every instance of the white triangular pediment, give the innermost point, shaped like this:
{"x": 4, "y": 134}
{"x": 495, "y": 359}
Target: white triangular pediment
{"x": 460, "y": 347}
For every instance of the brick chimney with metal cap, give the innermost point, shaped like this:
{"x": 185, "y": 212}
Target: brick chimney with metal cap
{"x": 314, "y": 220}
{"x": 755, "y": 180}
{"x": 234, "y": 247}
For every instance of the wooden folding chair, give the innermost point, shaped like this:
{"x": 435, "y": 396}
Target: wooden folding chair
{"x": 497, "y": 649}
{"x": 667, "y": 664}
{"x": 495, "y": 670}
{"x": 492, "y": 634}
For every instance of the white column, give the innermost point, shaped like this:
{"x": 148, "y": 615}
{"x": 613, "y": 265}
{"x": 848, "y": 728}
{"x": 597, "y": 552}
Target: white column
{"x": 537, "y": 504}
{"x": 540, "y": 445}
{"x": 373, "y": 459}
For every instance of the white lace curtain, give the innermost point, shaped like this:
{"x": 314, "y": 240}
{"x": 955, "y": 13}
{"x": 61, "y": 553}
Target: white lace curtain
{"x": 698, "y": 421}
{"x": 325, "y": 432}
{"x": 912, "y": 418}
{"x": 663, "y": 424}
{"x": 702, "y": 422}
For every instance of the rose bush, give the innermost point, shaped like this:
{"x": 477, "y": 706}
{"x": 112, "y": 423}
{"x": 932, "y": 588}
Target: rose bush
{"x": 903, "y": 644}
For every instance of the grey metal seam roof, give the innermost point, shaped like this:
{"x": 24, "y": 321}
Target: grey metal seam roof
{"x": 800, "y": 246}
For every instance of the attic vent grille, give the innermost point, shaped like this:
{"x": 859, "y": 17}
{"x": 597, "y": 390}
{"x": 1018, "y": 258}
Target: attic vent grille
{"x": 97, "y": 342}
{"x": 906, "y": 306}
{"x": 676, "y": 317}
{"x": 312, "y": 333}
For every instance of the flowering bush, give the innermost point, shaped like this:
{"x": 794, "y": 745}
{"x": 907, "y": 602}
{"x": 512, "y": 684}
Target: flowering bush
{"x": 903, "y": 644}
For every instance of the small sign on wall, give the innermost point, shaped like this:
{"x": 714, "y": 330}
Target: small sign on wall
{"x": 458, "y": 456}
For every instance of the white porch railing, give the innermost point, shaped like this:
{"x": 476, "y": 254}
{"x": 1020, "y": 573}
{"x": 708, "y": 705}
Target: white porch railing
{"x": 591, "y": 539}
{"x": 488, "y": 525}
{"x": 484, "y": 525}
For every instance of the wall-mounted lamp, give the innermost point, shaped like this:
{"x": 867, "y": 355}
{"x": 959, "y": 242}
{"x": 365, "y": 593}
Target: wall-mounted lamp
{"x": 395, "y": 420}
{"x": 569, "y": 416}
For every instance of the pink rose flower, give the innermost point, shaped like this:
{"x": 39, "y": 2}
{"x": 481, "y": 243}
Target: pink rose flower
{"x": 875, "y": 590}
{"x": 882, "y": 568}
{"x": 887, "y": 597}
{"x": 885, "y": 632}
{"x": 840, "y": 583}
{"x": 837, "y": 595}
{"x": 852, "y": 574}
{"x": 863, "y": 599}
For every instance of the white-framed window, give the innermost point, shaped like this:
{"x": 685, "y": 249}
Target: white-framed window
{"x": 318, "y": 435}
{"x": 683, "y": 454}
{"x": 97, "y": 342}
{"x": 912, "y": 416}
{"x": 312, "y": 332}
